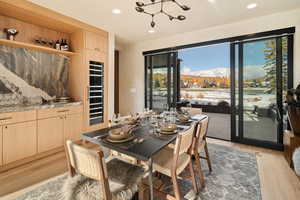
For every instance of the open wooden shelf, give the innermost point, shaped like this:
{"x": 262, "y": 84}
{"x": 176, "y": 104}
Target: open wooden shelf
{"x": 35, "y": 47}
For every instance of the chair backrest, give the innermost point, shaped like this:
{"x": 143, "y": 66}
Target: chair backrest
{"x": 85, "y": 161}
{"x": 201, "y": 131}
{"x": 184, "y": 141}
{"x": 89, "y": 163}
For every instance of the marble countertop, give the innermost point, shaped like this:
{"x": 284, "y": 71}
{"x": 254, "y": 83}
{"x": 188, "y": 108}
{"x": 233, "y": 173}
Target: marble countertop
{"x": 19, "y": 108}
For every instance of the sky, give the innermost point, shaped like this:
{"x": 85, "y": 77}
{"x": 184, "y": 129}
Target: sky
{"x": 218, "y": 56}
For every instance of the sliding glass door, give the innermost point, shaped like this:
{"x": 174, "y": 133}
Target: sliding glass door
{"x": 260, "y": 80}
{"x": 239, "y": 82}
{"x": 161, "y": 80}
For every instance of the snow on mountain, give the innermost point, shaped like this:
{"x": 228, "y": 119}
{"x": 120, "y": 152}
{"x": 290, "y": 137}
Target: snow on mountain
{"x": 217, "y": 72}
{"x": 250, "y": 72}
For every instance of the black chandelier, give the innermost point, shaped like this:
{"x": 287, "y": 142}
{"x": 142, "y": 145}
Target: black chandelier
{"x": 141, "y": 8}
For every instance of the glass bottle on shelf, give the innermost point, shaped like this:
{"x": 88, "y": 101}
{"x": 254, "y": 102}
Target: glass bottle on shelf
{"x": 57, "y": 45}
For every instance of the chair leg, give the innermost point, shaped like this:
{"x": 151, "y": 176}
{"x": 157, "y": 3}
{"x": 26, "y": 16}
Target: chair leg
{"x": 142, "y": 192}
{"x": 198, "y": 164}
{"x": 176, "y": 187}
{"x": 207, "y": 157}
{"x": 193, "y": 177}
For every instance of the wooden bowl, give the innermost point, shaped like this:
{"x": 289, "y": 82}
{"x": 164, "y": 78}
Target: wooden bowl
{"x": 118, "y": 134}
{"x": 183, "y": 117}
{"x": 169, "y": 128}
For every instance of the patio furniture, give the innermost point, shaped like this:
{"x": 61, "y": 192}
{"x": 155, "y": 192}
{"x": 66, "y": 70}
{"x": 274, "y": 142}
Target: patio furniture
{"x": 193, "y": 111}
{"x": 88, "y": 170}
{"x": 172, "y": 161}
{"x": 225, "y": 109}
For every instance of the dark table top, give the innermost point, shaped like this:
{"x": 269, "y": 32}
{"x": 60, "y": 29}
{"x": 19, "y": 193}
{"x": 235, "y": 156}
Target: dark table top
{"x": 144, "y": 147}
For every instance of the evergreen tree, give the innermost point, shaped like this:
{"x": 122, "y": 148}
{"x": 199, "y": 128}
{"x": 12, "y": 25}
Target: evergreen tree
{"x": 270, "y": 64}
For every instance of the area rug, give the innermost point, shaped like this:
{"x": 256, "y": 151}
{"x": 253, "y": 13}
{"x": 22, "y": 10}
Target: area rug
{"x": 234, "y": 177}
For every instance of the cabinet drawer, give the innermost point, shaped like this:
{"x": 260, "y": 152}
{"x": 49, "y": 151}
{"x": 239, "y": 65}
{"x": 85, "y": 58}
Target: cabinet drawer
{"x": 16, "y": 117}
{"x": 54, "y": 112}
{"x": 96, "y": 42}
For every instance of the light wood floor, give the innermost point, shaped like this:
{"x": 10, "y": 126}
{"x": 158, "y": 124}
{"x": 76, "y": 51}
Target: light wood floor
{"x": 278, "y": 181}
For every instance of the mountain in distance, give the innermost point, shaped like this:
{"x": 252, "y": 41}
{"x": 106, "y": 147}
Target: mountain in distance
{"x": 216, "y": 72}
{"x": 250, "y": 72}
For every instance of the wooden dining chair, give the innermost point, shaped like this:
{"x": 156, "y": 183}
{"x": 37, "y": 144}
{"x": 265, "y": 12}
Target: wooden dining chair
{"x": 91, "y": 177}
{"x": 200, "y": 145}
{"x": 172, "y": 161}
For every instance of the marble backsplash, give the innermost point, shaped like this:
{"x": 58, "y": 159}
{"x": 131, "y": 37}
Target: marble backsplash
{"x": 29, "y": 77}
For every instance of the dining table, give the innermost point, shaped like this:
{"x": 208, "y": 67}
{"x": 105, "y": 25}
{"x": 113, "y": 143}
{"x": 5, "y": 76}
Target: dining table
{"x": 144, "y": 146}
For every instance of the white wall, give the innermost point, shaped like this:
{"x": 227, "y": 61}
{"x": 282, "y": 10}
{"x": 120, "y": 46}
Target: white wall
{"x": 132, "y": 60}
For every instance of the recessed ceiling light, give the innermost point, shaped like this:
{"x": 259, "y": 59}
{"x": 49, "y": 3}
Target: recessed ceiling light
{"x": 151, "y": 31}
{"x": 211, "y": 1}
{"x": 116, "y": 11}
{"x": 252, "y": 5}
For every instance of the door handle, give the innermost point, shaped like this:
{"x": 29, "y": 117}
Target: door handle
{"x": 88, "y": 92}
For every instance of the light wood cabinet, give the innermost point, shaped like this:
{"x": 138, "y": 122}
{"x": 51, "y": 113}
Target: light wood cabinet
{"x": 19, "y": 141}
{"x": 72, "y": 127}
{"x": 50, "y": 133}
{"x": 54, "y": 131}
{"x": 54, "y": 112}
{"x": 96, "y": 42}
{"x": 96, "y": 91}
{"x": 1, "y": 139}
{"x": 16, "y": 117}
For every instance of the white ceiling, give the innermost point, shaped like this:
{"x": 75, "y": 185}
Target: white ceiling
{"x": 130, "y": 26}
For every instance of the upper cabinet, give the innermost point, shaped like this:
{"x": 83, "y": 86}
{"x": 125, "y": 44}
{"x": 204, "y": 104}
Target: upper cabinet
{"x": 91, "y": 86}
{"x": 96, "y": 41}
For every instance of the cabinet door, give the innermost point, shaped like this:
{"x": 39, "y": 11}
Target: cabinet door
{"x": 96, "y": 42}
{"x": 1, "y": 136}
{"x": 72, "y": 126}
{"x": 50, "y": 133}
{"x": 19, "y": 141}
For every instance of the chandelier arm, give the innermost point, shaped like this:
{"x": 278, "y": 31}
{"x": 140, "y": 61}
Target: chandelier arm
{"x": 178, "y": 4}
{"x": 152, "y": 3}
{"x": 147, "y": 13}
{"x": 169, "y": 15}
{"x": 156, "y": 2}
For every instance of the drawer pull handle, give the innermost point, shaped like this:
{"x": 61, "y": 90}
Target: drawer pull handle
{"x": 61, "y": 111}
{"x": 6, "y": 118}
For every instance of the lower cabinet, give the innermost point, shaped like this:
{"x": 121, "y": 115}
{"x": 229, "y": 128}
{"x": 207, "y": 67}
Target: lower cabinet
{"x": 73, "y": 127}
{"x": 24, "y": 139}
{"x": 19, "y": 141}
{"x": 53, "y": 132}
{"x": 50, "y": 133}
{"x": 1, "y": 139}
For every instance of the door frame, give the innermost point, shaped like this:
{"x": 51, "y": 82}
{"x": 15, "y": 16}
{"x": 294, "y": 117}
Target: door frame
{"x": 285, "y": 31}
{"x": 116, "y": 82}
{"x": 279, "y": 96}
{"x": 171, "y": 60}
